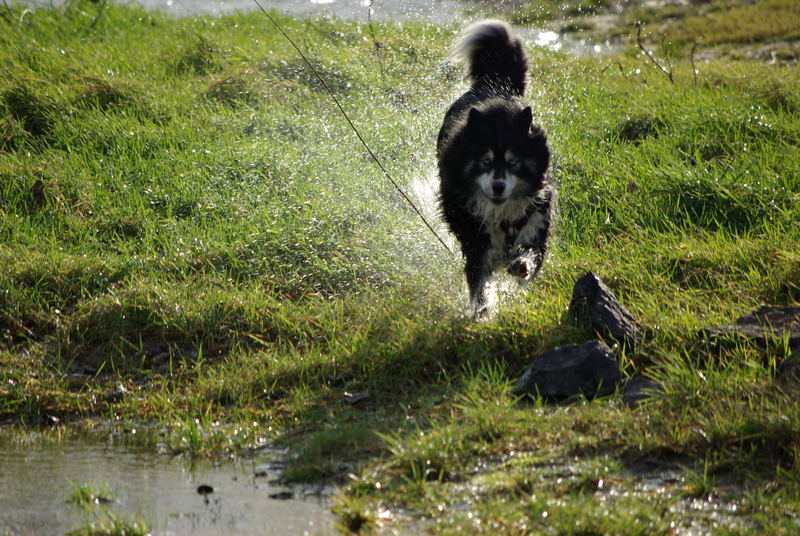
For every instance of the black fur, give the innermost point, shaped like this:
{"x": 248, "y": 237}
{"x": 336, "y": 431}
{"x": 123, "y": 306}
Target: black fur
{"x": 496, "y": 192}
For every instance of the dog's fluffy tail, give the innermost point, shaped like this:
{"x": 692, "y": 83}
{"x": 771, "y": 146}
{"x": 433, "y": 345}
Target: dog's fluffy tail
{"x": 492, "y": 54}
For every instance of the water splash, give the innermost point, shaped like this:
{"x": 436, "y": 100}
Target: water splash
{"x": 502, "y": 288}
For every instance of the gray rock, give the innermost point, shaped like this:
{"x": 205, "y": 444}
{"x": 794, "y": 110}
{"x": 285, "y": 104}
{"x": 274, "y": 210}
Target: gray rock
{"x": 765, "y": 324}
{"x": 587, "y": 369}
{"x": 357, "y": 399}
{"x": 788, "y": 373}
{"x": 593, "y": 305}
{"x": 639, "y": 388}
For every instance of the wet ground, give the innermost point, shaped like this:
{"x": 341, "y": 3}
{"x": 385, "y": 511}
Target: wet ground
{"x": 37, "y": 477}
{"x": 430, "y": 10}
{"x": 434, "y": 11}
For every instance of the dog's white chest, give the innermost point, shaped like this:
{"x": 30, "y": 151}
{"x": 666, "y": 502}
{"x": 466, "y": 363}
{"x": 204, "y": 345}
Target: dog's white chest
{"x": 508, "y": 237}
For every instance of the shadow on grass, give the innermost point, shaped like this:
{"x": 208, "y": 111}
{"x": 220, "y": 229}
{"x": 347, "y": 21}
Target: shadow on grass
{"x": 351, "y": 408}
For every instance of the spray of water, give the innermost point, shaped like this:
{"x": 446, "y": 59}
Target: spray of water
{"x": 424, "y": 190}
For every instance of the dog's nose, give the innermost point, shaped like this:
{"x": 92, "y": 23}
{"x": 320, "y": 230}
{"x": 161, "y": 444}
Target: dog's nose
{"x": 498, "y": 187}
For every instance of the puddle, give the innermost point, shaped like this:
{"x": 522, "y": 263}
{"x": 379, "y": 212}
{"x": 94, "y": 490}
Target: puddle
{"x": 694, "y": 516}
{"x": 36, "y": 479}
{"x": 439, "y": 11}
{"x": 648, "y": 485}
{"x": 566, "y": 42}
{"x": 458, "y": 12}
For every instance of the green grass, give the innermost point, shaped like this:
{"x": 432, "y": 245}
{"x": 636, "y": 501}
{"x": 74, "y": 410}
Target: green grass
{"x": 192, "y": 237}
{"x": 725, "y": 21}
{"x": 763, "y": 29}
{"x": 86, "y": 496}
{"x": 111, "y": 525}
{"x": 105, "y": 522}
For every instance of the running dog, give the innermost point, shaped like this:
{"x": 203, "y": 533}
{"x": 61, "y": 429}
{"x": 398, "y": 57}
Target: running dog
{"x": 497, "y": 195}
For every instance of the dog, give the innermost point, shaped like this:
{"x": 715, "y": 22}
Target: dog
{"x": 497, "y": 194}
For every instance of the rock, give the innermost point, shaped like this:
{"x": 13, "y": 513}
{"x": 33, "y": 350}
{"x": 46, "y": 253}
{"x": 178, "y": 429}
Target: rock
{"x": 339, "y": 380}
{"x": 788, "y": 373}
{"x": 765, "y": 324}
{"x": 357, "y": 399}
{"x": 51, "y": 419}
{"x": 119, "y": 392}
{"x": 205, "y": 490}
{"x": 587, "y": 369}
{"x": 76, "y": 381}
{"x": 639, "y": 388}
{"x": 594, "y": 305}
{"x": 262, "y": 471}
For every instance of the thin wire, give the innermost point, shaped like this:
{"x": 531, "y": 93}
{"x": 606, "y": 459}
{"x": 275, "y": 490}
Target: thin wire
{"x": 352, "y": 126}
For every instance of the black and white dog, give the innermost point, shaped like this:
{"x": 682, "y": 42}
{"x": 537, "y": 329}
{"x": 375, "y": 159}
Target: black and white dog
{"x": 496, "y": 193}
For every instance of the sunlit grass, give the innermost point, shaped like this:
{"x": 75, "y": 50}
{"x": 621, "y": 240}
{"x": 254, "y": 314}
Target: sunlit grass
{"x": 191, "y": 236}
{"x": 765, "y": 29}
{"x": 111, "y": 525}
{"x": 87, "y": 497}
{"x": 101, "y": 521}
{"x": 721, "y": 22}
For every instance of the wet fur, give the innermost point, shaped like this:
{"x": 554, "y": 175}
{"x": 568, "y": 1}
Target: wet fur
{"x": 496, "y": 192}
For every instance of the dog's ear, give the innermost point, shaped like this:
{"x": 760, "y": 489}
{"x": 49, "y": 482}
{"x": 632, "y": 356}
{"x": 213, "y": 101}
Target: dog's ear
{"x": 524, "y": 119}
{"x": 475, "y": 116}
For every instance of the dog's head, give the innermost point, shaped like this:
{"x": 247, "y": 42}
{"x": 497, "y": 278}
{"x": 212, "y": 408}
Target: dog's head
{"x": 507, "y": 155}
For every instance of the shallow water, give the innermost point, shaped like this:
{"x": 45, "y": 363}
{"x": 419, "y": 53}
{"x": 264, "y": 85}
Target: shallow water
{"x": 37, "y": 477}
{"x": 458, "y": 12}
{"x": 431, "y": 10}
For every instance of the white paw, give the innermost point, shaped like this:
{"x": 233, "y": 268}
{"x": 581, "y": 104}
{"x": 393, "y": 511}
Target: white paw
{"x": 521, "y": 267}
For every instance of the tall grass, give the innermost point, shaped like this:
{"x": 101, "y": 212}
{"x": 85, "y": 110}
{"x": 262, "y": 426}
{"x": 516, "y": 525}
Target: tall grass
{"x": 191, "y": 235}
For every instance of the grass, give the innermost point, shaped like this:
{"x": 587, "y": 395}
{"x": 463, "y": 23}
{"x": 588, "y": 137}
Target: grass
{"x": 106, "y": 523}
{"x": 723, "y": 22}
{"x": 86, "y": 496}
{"x": 761, "y": 29}
{"x": 191, "y": 237}
{"x": 111, "y": 525}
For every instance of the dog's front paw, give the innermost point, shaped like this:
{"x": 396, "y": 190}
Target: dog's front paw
{"x": 521, "y": 267}
{"x": 481, "y": 312}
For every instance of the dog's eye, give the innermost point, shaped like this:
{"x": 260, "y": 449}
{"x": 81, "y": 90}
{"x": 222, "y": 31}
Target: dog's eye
{"x": 513, "y": 162}
{"x": 487, "y": 161}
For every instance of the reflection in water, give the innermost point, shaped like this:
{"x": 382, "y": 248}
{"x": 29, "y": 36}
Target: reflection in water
{"x": 36, "y": 479}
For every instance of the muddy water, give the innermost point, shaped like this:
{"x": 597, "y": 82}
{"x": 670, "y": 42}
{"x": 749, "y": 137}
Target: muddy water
{"x": 37, "y": 477}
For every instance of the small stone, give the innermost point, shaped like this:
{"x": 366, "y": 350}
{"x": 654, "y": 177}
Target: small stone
{"x": 593, "y": 305}
{"x": 204, "y": 489}
{"x": 51, "y": 419}
{"x": 587, "y": 369}
{"x": 37, "y": 192}
{"x": 788, "y": 373}
{"x": 765, "y": 324}
{"x": 76, "y": 381}
{"x": 357, "y": 399}
{"x": 639, "y": 388}
{"x": 262, "y": 471}
{"x": 116, "y": 395}
{"x": 339, "y": 380}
